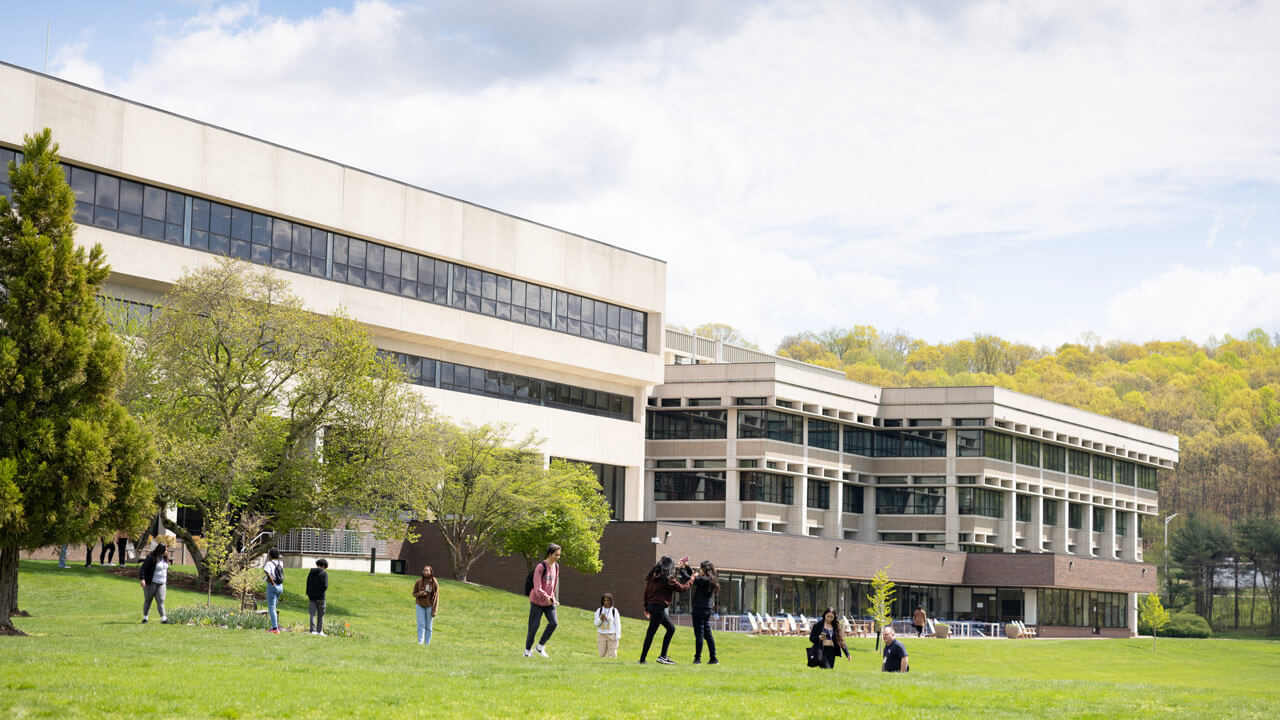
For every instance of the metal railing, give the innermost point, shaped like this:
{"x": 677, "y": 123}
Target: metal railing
{"x": 324, "y": 541}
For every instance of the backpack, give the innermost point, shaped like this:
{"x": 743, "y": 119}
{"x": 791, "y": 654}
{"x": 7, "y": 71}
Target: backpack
{"x": 276, "y": 575}
{"x": 528, "y": 581}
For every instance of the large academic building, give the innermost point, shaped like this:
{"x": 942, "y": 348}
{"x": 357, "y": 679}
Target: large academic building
{"x": 798, "y": 483}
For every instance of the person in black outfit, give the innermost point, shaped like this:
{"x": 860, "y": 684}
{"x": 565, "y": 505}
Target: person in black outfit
{"x": 661, "y": 582}
{"x": 317, "y": 585}
{"x": 107, "y": 553}
{"x": 830, "y": 634}
{"x": 122, "y": 542}
{"x": 895, "y": 654}
{"x": 705, "y": 587}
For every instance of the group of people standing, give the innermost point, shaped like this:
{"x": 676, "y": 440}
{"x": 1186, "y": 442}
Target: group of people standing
{"x": 107, "y": 555}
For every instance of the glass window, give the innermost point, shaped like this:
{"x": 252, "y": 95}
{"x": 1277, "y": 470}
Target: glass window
{"x": 858, "y": 441}
{"x": 1024, "y": 508}
{"x": 1050, "y": 512}
{"x": 1102, "y": 468}
{"x": 691, "y": 424}
{"x": 910, "y": 501}
{"x": 704, "y": 402}
{"x": 688, "y": 486}
{"x": 969, "y": 443}
{"x": 1099, "y": 520}
{"x": 755, "y": 486}
{"x": 1054, "y": 457}
{"x": 108, "y": 192}
{"x": 853, "y": 498}
{"x": 1125, "y": 472}
{"x": 1078, "y": 462}
{"x": 980, "y": 501}
{"x": 819, "y": 495}
{"x": 1075, "y": 516}
{"x": 1028, "y": 452}
{"x": 824, "y": 434}
{"x": 769, "y": 424}
{"x": 748, "y": 401}
{"x": 997, "y": 446}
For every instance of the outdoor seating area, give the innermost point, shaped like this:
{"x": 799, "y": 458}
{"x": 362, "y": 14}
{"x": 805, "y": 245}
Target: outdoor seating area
{"x": 786, "y": 624}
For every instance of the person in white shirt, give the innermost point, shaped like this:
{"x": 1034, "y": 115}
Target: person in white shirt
{"x": 274, "y": 570}
{"x": 154, "y": 576}
{"x": 608, "y": 626}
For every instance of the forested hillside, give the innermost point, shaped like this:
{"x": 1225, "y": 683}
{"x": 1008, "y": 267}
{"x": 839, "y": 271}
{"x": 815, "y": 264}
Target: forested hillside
{"x": 1222, "y": 398}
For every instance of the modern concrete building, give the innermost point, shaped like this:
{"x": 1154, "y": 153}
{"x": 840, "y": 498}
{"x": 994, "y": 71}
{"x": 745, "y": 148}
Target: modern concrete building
{"x": 797, "y": 482}
{"x": 497, "y": 318}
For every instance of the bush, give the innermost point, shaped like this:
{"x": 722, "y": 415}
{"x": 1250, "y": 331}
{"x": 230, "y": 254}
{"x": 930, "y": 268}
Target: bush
{"x": 1182, "y": 624}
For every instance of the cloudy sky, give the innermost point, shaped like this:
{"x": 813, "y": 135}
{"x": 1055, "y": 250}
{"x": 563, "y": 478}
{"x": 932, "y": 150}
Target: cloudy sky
{"x": 1033, "y": 169}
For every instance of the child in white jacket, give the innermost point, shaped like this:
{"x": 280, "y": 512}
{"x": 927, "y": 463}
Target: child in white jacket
{"x": 608, "y": 626}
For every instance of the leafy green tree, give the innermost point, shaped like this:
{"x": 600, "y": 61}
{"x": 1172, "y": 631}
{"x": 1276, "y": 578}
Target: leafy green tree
{"x": 575, "y": 519}
{"x": 1258, "y": 539}
{"x": 881, "y": 600}
{"x": 262, "y": 407}
{"x": 1154, "y": 614}
{"x": 1198, "y": 546}
{"x": 483, "y": 486}
{"x": 73, "y": 464}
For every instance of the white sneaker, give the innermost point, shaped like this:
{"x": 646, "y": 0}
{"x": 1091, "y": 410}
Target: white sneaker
{"x": 542, "y": 650}
{"x": 527, "y": 653}
{"x": 321, "y": 633}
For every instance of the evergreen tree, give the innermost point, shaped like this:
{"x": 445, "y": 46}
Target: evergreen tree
{"x": 73, "y": 464}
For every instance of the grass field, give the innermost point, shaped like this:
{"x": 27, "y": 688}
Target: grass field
{"x": 89, "y": 657}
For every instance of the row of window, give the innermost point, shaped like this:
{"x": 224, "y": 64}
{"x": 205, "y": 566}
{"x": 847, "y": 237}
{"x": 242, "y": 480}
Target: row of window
{"x": 509, "y": 386}
{"x": 709, "y": 485}
{"x": 135, "y": 208}
{"x": 453, "y": 376}
{"x": 1033, "y": 453}
{"x": 827, "y": 435}
{"x": 1081, "y": 608}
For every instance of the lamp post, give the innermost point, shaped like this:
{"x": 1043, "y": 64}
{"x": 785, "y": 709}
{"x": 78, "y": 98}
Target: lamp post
{"x": 1168, "y": 583}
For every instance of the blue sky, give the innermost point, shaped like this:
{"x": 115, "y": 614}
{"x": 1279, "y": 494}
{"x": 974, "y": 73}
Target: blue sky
{"x": 1037, "y": 170}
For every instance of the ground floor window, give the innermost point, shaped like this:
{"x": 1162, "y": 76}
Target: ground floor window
{"x": 1082, "y": 608}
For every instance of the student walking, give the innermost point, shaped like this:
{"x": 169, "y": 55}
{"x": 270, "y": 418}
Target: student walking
{"x": 705, "y": 586}
{"x": 544, "y": 594}
{"x": 608, "y": 627}
{"x": 317, "y": 586}
{"x": 154, "y": 577}
{"x": 828, "y": 633}
{"x": 426, "y": 599}
{"x": 660, "y": 584}
{"x": 274, "y": 571}
{"x": 918, "y": 620}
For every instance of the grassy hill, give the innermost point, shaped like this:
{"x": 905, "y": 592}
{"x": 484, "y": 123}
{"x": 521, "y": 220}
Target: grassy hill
{"x": 89, "y": 657}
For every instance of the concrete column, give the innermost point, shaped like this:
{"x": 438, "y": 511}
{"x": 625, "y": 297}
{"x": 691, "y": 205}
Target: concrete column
{"x": 1030, "y": 611}
{"x": 732, "y": 497}
{"x": 1008, "y": 522}
{"x": 868, "y": 528}
{"x": 1108, "y": 540}
{"x": 953, "y": 514}
{"x": 1036, "y": 526}
{"x": 833, "y": 518}
{"x": 1133, "y": 614}
{"x": 1061, "y": 531}
{"x": 1131, "y": 544}
{"x": 1086, "y": 521}
{"x": 644, "y": 502}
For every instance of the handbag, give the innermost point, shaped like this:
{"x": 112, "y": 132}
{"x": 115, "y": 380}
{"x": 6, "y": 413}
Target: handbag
{"x": 813, "y": 654}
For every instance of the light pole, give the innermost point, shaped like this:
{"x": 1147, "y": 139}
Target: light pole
{"x": 1168, "y": 583}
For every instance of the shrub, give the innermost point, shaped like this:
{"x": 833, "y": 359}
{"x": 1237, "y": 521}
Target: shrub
{"x": 1182, "y": 624}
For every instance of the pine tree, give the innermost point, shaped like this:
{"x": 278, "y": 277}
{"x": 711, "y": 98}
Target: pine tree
{"x": 73, "y": 463}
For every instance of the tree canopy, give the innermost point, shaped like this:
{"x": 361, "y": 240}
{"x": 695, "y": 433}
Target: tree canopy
{"x": 262, "y": 407}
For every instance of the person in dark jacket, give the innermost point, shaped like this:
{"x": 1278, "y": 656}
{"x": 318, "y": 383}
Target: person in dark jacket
{"x": 660, "y": 584}
{"x": 830, "y": 634}
{"x": 317, "y": 585}
{"x": 154, "y": 576}
{"x": 705, "y": 586}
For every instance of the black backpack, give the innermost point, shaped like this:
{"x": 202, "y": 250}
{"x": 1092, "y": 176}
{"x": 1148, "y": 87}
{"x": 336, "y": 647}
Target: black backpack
{"x": 277, "y": 574}
{"x": 528, "y": 581}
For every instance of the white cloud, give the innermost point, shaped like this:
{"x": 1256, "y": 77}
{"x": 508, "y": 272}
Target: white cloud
{"x": 1196, "y": 304}
{"x": 854, "y": 155}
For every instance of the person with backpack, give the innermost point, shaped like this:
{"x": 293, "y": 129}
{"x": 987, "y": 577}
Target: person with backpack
{"x": 705, "y": 586}
{"x": 317, "y": 586}
{"x": 660, "y": 584}
{"x": 608, "y": 627}
{"x": 426, "y": 598}
{"x": 154, "y": 576}
{"x": 274, "y": 572}
{"x": 543, "y": 586}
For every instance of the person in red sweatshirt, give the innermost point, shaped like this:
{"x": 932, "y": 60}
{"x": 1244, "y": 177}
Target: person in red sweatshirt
{"x": 661, "y": 582}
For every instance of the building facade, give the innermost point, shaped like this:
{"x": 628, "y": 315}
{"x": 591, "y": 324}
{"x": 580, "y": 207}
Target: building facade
{"x": 797, "y": 482}
{"x": 495, "y": 318}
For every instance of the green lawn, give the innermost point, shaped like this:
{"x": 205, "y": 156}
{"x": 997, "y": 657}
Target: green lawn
{"x": 89, "y": 657}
